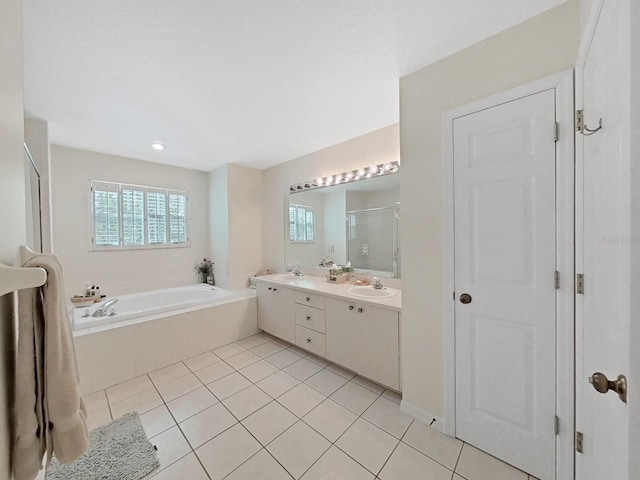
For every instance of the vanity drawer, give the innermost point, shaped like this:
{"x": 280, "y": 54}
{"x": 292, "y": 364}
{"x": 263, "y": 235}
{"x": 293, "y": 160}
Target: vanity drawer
{"x": 310, "y": 340}
{"x": 311, "y": 299}
{"x": 310, "y": 317}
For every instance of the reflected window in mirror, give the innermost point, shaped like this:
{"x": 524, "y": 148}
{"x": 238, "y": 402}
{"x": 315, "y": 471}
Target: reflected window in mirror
{"x": 301, "y": 224}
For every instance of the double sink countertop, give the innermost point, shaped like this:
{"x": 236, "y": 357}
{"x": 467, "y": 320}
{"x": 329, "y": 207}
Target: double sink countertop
{"x": 340, "y": 291}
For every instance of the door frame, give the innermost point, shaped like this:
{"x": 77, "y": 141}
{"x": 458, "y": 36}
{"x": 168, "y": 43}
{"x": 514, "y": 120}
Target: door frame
{"x": 563, "y": 83}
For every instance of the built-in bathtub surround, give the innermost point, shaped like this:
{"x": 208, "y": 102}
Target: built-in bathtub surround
{"x": 111, "y": 353}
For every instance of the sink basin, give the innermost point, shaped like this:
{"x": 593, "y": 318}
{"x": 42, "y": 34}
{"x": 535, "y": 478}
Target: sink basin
{"x": 370, "y": 292}
{"x": 286, "y": 277}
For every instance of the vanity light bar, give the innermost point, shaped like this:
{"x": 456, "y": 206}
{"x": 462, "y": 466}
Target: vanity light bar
{"x": 349, "y": 176}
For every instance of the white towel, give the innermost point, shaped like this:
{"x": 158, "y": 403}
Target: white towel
{"x": 50, "y": 414}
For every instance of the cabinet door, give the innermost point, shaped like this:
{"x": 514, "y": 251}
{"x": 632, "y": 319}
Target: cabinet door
{"x": 265, "y": 307}
{"x": 364, "y": 338}
{"x": 283, "y": 314}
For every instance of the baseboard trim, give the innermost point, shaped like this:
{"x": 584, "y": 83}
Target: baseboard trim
{"x": 422, "y": 415}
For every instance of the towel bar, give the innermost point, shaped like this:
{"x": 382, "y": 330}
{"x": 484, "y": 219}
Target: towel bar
{"x": 17, "y": 278}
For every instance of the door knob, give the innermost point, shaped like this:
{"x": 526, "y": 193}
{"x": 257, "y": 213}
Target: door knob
{"x": 602, "y": 384}
{"x": 465, "y": 298}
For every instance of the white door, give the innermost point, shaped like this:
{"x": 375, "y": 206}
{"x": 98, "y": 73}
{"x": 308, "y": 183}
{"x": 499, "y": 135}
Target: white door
{"x": 505, "y": 260}
{"x": 603, "y": 242}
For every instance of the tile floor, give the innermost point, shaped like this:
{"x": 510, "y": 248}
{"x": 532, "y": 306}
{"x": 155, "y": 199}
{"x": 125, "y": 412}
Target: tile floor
{"x": 263, "y": 409}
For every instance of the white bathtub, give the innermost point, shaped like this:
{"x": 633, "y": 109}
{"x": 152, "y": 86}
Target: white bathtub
{"x": 143, "y": 304}
{"x": 155, "y": 329}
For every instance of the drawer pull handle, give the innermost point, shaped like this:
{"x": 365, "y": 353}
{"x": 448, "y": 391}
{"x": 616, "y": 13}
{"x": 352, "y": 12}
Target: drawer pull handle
{"x": 360, "y": 310}
{"x": 350, "y": 307}
{"x": 275, "y": 289}
{"x": 270, "y": 288}
{"x": 307, "y": 299}
{"x": 308, "y": 318}
{"x": 308, "y": 340}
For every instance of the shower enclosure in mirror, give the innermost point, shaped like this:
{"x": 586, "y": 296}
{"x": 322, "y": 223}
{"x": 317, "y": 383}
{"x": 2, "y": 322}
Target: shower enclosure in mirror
{"x": 33, "y": 202}
{"x": 357, "y": 222}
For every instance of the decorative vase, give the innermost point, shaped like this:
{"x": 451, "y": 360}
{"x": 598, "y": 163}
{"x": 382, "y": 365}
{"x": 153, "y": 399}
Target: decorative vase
{"x": 203, "y": 277}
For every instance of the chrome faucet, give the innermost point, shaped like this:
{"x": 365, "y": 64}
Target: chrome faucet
{"x": 104, "y": 309}
{"x": 296, "y": 271}
{"x": 376, "y": 283}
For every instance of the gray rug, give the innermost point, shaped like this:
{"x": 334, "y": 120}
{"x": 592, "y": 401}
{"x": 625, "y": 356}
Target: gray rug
{"x": 118, "y": 450}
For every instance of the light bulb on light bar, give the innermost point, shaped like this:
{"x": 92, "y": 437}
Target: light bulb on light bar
{"x": 361, "y": 173}
{"x": 348, "y": 176}
{"x": 373, "y": 169}
{"x": 319, "y": 181}
{"x": 338, "y": 178}
{"x": 387, "y": 167}
{"x": 329, "y": 180}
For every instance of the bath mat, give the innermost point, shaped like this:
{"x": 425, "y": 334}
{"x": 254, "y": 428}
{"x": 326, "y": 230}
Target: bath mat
{"x": 119, "y": 450}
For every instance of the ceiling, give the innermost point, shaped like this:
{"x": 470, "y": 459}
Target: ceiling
{"x": 252, "y": 82}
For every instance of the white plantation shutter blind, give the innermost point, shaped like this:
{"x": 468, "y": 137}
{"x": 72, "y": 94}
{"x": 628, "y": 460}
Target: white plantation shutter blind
{"x": 301, "y": 223}
{"x": 135, "y": 216}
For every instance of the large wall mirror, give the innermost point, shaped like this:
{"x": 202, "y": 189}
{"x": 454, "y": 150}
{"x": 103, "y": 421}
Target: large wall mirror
{"x": 357, "y": 222}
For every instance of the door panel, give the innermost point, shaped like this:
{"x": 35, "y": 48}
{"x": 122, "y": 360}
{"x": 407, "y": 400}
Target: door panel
{"x": 603, "y": 245}
{"x": 505, "y": 258}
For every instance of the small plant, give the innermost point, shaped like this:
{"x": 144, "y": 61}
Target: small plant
{"x": 204, "y": 268}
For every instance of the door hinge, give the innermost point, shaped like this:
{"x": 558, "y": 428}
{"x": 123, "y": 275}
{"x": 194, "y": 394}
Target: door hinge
{"x": 579, "y": 121}
{"x": 556, "y": 132}
{"x": 579, "y": 442}
{"x": 580, "y": 284}
{"x": 556, "y": 280}
{"x": 454, "y": 294}
{"x": 557, "y": 425}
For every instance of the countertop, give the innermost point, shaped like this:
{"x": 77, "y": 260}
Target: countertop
{"x": 319, "y": 285}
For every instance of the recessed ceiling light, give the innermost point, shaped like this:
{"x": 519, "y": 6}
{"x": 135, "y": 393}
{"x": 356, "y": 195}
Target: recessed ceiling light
{"x": 157, "y": 146}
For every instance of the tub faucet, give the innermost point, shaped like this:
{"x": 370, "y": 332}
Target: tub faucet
{"x": 376, "y": 283}
{"x": 104, "y": 309}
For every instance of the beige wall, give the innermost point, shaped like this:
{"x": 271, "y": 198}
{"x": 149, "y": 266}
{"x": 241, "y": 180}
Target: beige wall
{"x": 125, "y": 271}
{"x": 12, "y": 200}
{"x": 536, "y": 48}
{"x": 375, "y": 147}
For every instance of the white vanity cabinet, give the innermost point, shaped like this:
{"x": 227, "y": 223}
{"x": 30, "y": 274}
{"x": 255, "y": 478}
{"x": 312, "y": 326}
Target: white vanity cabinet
{"x": 276, "y": 313}
{"x": 364, "y": 338}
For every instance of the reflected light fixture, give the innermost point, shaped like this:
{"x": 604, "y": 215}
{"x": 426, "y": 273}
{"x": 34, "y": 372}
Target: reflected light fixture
{"x": 361, "y": 173}
{"x": 157, "y": 146}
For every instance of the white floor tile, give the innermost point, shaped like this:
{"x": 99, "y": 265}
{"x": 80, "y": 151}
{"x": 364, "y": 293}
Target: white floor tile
{"x": 297, "y": 351}
{"x": 387, "y": 415}
{"x": 242, "y": 359}
{"x": 440, "y": 447}
{"x": 302, "y": 369}
{"x": 330, "y": 419}
{"x": 128, "y": 389}
{"x": 266, "y": 349}
{"x": 261, "y": 466}
{"x": 207, "y": 424}
{"x": 157, "y": 421}
{"x": 213, "y": 372}
{"x": 278, "y": 383}
{"x": 326, "y": 382}
{"x": 200, "y": 361}
{"x": 336, "y": 465}
{"x": 171, "y": 446}
{"x": 247, "y": 401}
{"x": 187, "y": 468}
{"x": 354, "y": 397}
{"x": 169, "y": 373}
{"x": 409, "y": 464}
{"x": 140, "y": 403}
{"x": 298, "y": 448}
{"x": 223, "y": 454}
{"x": 269, "y": 422}
{"x": 368, "y": 384}
{"x": 367, "y": 444}
{"x": 301, "y": 399}
{"x": 229, "y": 350}
{"x": 259, "y": 370}
{"x": 98, "y": 418}
{"x": 474, "y": 464}
{"x": 317, "y": 360}
{"x": 191, "y": 403}
{"x": 253, "y": 341}
{"x": 283, "y": 358}
{"x": 229, "y": 385}
{"x": 179, "y": 386}
{"x": 96, "y": 401}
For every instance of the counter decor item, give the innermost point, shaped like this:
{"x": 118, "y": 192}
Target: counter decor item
{"x": 337, "y": 275}
{"x": 204, "y": 270}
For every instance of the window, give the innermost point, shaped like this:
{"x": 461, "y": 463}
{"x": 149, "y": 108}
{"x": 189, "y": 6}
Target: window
{"x": 301, "y": 224}
{"x": 135, "y": 216}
